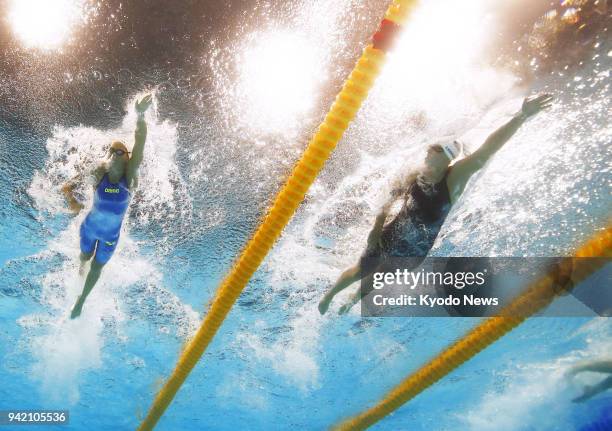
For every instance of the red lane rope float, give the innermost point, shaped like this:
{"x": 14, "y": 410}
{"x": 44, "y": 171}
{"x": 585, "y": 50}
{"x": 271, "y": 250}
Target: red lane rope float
{"x": 386, "y": 36}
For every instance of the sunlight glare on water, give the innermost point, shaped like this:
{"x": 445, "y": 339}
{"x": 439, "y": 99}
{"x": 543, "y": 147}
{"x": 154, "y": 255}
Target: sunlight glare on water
{"x": 269, "y": 79}
{"x": 45, "y": 24}
{"x": 65, "y": 349}
{"x": 270, "y": 66}
{"x": 438, "y": 64}
{"x": 234, "y": 105}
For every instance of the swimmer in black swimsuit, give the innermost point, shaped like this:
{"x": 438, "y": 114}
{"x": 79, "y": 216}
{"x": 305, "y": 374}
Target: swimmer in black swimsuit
{"x": 427, "y": 198}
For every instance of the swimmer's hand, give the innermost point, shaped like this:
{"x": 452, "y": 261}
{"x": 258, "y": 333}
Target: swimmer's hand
{"x": 76, "y": 207}
{"x": 589, "y": 392}
{"x": 576, "y": 369}
{"x": 533, "y": 105}
{"x": 73, "y": 203}
{"x": 144, "y": 104}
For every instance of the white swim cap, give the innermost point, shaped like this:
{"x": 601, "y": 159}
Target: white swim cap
{"x": 452, "y": 149}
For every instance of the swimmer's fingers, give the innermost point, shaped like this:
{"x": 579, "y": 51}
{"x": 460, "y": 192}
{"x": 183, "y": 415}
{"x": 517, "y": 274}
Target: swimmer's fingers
{"x": 539, "y": 98}
{"x": 533, "y": 105}
{"x": 545, "y": 101}
{"x": 542, "y": 98}
{"x": 144, "y": 103}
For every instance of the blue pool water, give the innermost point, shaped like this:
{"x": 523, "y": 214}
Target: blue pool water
{"x": 212, "y": 162}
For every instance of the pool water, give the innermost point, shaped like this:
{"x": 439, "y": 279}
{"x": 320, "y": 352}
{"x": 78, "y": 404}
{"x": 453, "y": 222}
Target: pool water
{"x": 238, "y": 90}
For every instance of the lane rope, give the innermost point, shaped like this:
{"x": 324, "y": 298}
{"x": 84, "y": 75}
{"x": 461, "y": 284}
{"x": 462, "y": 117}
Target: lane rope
{"x": 536, "y": 297}
{"x": 342, "y": 112}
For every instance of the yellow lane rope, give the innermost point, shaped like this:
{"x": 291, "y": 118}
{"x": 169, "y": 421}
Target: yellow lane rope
{"x": 343, "y": 110}
{"x": 537, "y": 296}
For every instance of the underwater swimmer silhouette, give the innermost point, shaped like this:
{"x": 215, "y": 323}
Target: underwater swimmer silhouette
{"x": 602, "y": 366}
{"x": 427, "y": 196}
{"x": 115, "y": 179}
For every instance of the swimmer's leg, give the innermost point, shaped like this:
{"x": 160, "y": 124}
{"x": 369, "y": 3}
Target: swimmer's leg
{"x": 104, "y": 251}
{"x": 362, "y": 291}
{"x": 92, "y": 278}
{"x": 347, "y": 278}
{"x": 84, "y": 258}
{"x": 367, "y": 286}
{"x": 366, "y": 265}
{"x": 88, "y": 247}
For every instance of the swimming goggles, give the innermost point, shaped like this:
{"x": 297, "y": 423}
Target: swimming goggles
{"x": 452, "y": 150}
{"x": 118, "y": 151}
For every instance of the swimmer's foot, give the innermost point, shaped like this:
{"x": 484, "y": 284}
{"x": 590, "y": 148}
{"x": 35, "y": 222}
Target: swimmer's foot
{"x": 347, "y": 307}
{"x": 324, "y": 304}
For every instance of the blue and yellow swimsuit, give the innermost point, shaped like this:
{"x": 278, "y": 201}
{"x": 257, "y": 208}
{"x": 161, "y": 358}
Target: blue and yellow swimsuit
{"x": 103, "y": 223}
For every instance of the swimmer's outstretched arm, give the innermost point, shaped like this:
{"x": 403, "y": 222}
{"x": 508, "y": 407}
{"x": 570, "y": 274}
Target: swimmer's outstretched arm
{"x": 603, "y": 366}
{"x": 531, "y": 106}
{"x": 140, "y": 137}
{"x": 591, "y": 391}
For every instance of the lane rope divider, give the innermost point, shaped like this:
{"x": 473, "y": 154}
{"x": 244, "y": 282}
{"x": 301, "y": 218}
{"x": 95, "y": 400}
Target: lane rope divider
{"x": 342, "y": 112}
{"x": 536, "y": 297}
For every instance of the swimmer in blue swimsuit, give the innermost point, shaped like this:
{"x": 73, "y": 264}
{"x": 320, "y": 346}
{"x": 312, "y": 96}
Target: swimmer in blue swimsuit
{"x": 426, "y": 196}
{"x": 100, "y": 230}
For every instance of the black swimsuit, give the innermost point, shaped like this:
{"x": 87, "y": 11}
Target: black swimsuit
{"x": 412, "y": 232}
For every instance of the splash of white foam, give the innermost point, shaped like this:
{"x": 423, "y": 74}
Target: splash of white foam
{"x": 295, "y": 360}
{"x": 68, "y": 349}
{"x": 540, "y": 393}
{"x": 252, "y": 397}
{"x": 79, "y": 150}
{"x": 64, "y": 350}
{"x": 330, "y": 232}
